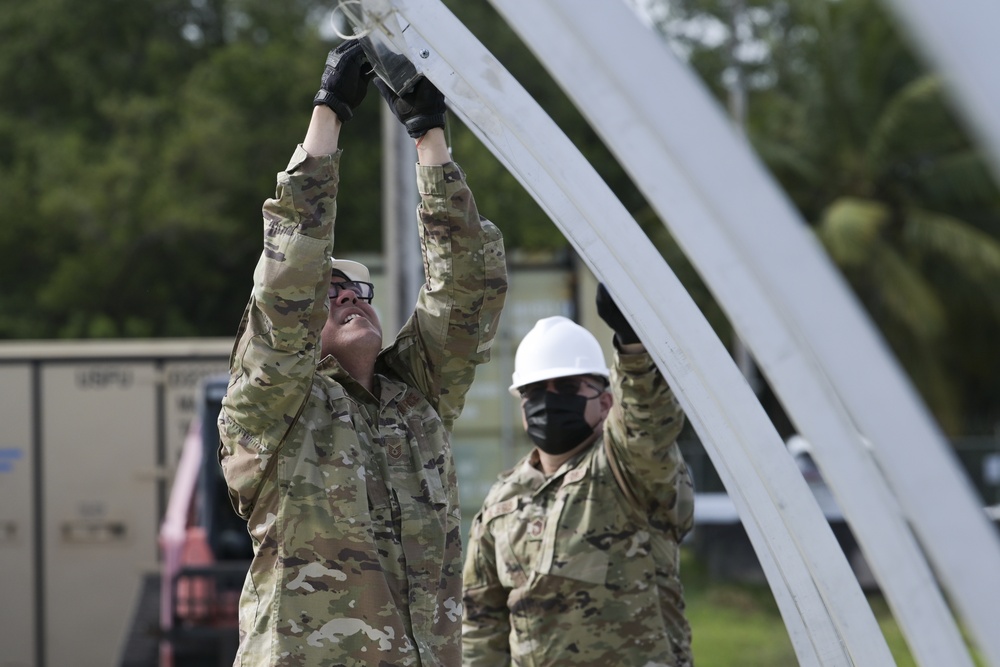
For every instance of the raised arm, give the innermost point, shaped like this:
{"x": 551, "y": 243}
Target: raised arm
{"x": 459, "y": 305}
{"x": 642, "y": 428}
{"x": 275, "y": 356}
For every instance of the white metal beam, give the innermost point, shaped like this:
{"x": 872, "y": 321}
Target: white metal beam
{"x": 826, "y": 613}
{"x": 644, "y": 103}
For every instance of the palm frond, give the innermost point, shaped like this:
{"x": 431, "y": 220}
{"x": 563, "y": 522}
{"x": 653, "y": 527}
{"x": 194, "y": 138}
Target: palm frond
{"x": 973, "y": 253}
{"x": 977, "y": 253}
{"x": 961, "y": 177}
{"x": 786, "y": 159}
{"x": 914, "y": 122}
{"x": 906, "y": 296}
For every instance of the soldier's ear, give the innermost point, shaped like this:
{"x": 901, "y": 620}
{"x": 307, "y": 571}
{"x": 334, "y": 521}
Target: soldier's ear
{"x": 607, "y": 400}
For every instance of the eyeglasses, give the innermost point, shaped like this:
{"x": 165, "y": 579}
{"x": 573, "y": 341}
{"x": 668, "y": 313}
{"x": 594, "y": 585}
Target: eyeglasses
{"x": 362, "y": 290}
{"x": 567, "y": 386}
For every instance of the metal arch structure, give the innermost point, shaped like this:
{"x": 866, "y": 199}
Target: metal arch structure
{"x": 828, "y": 619}
{"x": 749, "y": 245}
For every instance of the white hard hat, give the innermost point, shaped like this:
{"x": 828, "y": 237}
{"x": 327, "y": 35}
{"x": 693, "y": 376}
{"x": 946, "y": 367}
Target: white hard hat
{"x": 557, "y": 347}
{"x": 353, "y": 270}
{"x": 798, "y": 445}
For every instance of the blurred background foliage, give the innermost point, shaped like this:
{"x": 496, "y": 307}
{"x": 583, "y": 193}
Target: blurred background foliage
{"x": 138, "y": 139}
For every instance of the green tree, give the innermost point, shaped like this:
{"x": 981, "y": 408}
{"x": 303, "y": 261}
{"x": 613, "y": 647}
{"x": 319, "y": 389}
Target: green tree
{"x": 138, "y": 139}
{"x": 860, "y": 135}
{"x": 902, "y": 200}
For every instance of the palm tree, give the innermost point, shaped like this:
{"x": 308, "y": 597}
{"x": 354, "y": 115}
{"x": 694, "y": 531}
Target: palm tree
{"x": 861, "y": 137}
{"x": 902, "y": 201}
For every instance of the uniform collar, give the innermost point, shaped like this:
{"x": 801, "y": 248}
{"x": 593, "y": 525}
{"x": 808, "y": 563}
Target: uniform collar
{"x": 530, "y": 471}
{"x": 384, "y": 388}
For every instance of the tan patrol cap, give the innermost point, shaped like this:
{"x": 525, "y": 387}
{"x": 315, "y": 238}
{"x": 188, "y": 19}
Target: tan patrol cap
{"x": 353, "y": 270}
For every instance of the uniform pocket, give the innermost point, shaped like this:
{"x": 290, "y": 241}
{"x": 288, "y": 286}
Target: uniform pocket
{"x": 424, "y": 454}
{"x": 583, "y": 532}
{"x": 495, "y": 267}
{"x": 332, "y": 453}
{"x": 590, "y": 565}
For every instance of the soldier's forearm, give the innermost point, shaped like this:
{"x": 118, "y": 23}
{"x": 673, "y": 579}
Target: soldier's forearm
{"x": 432, "y": 148}
{"x": 323, "y": 133}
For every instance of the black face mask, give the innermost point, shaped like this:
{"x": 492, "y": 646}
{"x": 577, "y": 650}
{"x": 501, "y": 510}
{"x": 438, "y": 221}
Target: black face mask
{"x": 555, "y": 422}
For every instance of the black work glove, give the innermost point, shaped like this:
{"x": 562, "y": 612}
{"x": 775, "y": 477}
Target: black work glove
{"x": 345, "y": 79}
{"x": 419, "y": 109}
{"x": 612, "y": 314}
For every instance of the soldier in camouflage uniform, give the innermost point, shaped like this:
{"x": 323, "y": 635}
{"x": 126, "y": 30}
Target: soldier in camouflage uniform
{"x": 573, "y": 559}
{"x": 335, "y": 451}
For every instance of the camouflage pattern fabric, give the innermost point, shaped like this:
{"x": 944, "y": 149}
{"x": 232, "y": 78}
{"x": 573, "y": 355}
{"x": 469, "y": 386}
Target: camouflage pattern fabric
{"x": 579, "y": 569}
{"x": 351, "y": 497}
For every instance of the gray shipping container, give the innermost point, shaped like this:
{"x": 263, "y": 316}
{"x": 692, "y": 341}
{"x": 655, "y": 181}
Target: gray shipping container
{"x": 90, "y": 432}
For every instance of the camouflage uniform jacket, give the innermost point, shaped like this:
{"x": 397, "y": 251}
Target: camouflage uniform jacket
{"x": 581, "y": 568}
{"x": 350, "y": 497}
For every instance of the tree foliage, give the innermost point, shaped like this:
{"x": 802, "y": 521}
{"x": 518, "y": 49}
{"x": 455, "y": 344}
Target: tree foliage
{"x": 139, "y": 141}
{"x": 862, "y": 137}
